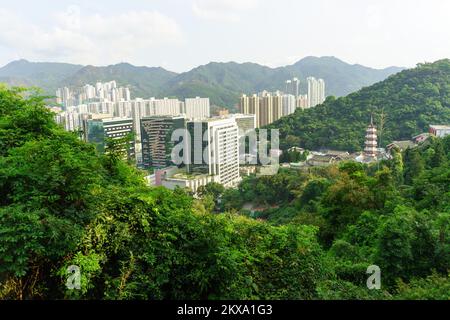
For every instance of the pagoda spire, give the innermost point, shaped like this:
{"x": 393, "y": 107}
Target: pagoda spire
{"x": 370, "y": 150}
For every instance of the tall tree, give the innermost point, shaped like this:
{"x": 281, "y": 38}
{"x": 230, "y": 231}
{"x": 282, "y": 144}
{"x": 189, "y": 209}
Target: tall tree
{"x": 414, "y": 165}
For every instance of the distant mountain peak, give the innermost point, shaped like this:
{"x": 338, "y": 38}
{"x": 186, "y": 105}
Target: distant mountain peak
{"x": 123, "y": 64}
{"x": 322, "y": 59}
{"x": 14, "y": 63}
{"x": 21, "y": 61}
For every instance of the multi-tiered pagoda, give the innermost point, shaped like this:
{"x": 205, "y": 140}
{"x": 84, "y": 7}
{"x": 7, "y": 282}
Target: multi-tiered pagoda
{"x": 370, "y": 150}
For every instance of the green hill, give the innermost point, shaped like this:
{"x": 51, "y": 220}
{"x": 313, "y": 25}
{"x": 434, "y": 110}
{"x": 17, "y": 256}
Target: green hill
{"x": 411, "y": 100}
{"x": 341, "y": 78}
{"x": 49, "y": 76}
{"x": 224, "y": 82}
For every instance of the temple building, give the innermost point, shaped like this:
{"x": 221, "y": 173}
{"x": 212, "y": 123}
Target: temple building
{"x": 370, "y": 150}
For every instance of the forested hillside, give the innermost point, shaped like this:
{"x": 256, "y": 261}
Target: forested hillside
{"x": 410, "y": 101}
{"x": 395, "y": 215}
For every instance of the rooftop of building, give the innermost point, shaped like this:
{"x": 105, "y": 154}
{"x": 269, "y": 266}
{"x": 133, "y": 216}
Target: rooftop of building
{"x": 162, "y": 117}
{"x": 108, "y": 118}
{"x": 211, "y": 120}
{"x": 403, "y": 144}
{"x": 322, "y": 158}
{"x": 181, "y": 174}
{"x": 422, "y": 135}
{"x": 233, "y": 115}
{"x": 336, "y": 153}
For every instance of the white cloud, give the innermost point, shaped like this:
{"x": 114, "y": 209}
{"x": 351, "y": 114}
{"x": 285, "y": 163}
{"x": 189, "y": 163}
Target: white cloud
{"x": 222, "y": 10}
{"x": 94, "y": 39}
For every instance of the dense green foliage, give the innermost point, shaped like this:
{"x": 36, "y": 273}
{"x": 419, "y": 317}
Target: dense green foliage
{"x": 391, "y": 215}
{"x": 221, "y": 82}
{"x": 410, "y": 100}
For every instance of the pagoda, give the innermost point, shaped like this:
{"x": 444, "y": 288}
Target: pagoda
{"x": 370, "y": 150}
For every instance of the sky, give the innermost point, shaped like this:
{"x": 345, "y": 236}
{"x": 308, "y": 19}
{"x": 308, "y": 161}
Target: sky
{"x": 181, "y": 34}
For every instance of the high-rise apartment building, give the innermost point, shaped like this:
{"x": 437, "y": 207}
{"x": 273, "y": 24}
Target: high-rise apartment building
{"x": 302, "y": 101}
{"x": 254, "y": 108}
{"x": 266, "y": 110}
{"x": 266, "y": 107}
{"x": 293, "y": 87}
{"x": 109, "y": 99}
{"x": 166, "y": 107}
{"x": 316, "y": 91}
{"x": 322, "y": 95}
{"x": 156, "y": 139}
{"x": 214, "y": 149}
{"x": 65, "y": 97}
{"x": 197, "y": 108}
{"x": 98, "y": 131}
{"x": 277, "y": 107}
{"x": 250, "y": 105}
{"x": 101, "y": 92}
{"x": 288, "y": 89}
{"x": 244, "y": 104}
{"x": 289, "y": 104}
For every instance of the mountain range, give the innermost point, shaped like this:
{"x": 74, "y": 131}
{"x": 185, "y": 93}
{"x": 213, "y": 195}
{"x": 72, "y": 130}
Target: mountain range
{"x": 222, "y": 82}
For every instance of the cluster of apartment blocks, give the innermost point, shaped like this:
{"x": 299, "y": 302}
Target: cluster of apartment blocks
{"x": 270, "y": 107}
{"x": 101, "y": 92}
{"x": 73, "y": 116}
{"x": 152, "y": 123}
{"x": 210, "y": 154}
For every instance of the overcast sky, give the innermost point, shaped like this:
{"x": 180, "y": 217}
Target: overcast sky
{"x": 181, "y": 34}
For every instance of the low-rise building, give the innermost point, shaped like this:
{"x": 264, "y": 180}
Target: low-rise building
{"x": 174, "y": 177}
{"x": 421, "y": 137}
{"x": 247, "y": 170}
{"x": 323, "y": 160}
{"x": 337, "y": 153}
{"x": 400, "y": 145}
{"x": 440, "y": 131}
